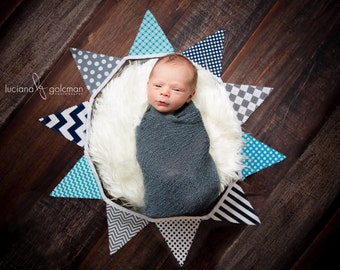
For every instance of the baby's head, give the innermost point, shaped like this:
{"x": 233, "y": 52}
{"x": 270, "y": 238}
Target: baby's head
{"x": 172, "y": 83}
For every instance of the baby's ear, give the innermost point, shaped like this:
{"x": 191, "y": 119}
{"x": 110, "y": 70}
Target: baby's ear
{"x": 191, "y": 96}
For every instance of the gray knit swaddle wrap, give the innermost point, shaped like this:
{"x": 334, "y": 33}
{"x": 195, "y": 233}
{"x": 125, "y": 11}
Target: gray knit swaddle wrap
{"x": 180, "y": 176}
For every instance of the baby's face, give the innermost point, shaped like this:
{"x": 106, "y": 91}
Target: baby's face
{"x": 169, "y": 86}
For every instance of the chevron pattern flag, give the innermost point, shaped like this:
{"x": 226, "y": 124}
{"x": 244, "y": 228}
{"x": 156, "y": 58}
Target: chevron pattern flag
{"x": 70, "y": 123}
{"x": 150, "y": 38}
{"x": 208, "y": 53}
{"x": 80, "y": 182}
{"x": 122, "y": 226}
{"x": 94, "y": 67}
{"x": 246, "y": 98}
{"x": 179, "y": 234}
{"x": 234, "y": 207}
{"x": 258, "y": 156}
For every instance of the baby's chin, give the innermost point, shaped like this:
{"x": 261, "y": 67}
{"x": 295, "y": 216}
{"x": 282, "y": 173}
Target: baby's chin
{"x": 165, "y": 111}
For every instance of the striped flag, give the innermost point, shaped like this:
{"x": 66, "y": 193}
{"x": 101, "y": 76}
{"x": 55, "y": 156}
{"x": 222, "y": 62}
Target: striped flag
{"x": 234, "y": 207}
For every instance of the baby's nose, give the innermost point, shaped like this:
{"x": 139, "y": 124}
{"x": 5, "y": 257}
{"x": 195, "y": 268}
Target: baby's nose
{"x": 165, "y": 91}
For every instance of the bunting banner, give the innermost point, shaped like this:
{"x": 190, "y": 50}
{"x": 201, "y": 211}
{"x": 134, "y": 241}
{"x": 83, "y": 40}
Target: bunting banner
{"x": 82, "y": 182}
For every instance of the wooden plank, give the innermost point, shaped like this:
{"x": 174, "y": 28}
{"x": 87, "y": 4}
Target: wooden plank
{"x": 32, "y": 42}
{"x": 35, "y": 159}
{"x": 46, "y": 238}
{"x": 322, "y": 251}
{"x": 145, "y": 251}
{"x": 238, "y": 18}
{"x": 210, "y": 244}
{"x": 7, "y": 8}
{"x": 276, "y": 43}
{"x": 304, "y": 79}
{"x": 294, "y": 208}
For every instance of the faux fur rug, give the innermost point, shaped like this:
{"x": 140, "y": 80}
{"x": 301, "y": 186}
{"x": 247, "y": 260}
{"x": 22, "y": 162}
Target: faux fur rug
{"x": 119, "y": 108}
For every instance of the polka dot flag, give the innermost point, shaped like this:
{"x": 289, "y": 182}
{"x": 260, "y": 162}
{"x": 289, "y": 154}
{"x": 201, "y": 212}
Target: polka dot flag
{"x": 179, "y": 234}
{"x": 208, "y": 53}
{"x": 150, "y": 38}
{"x": 258, "y": 156}
{"x": 94, "y": 67}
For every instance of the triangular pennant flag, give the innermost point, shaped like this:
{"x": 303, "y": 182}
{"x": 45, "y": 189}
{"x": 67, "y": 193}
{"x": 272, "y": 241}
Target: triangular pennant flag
{"x": 258, "y": 156}
{"x": 78, "y": 183}
{"x": 179, "y": 235}
{"x": 246, "y": 98}
{"x": 234, "y": 207}
{"x": 94, "y": 67}
{"x": 208, "y": 53}
{"x": 122, "y": 226}
{"x": 150, "y": 38}
{"x": 71, "y": 123}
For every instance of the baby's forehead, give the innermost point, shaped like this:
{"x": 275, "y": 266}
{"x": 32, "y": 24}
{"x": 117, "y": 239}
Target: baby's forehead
{"x": 175, "y": 63}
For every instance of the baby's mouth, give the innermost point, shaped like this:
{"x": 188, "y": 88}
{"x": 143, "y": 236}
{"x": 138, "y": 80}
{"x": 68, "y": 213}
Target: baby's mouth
{"x": 162, "y": 103}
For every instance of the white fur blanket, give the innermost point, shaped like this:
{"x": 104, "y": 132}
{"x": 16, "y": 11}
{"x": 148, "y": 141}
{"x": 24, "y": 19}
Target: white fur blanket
{"x": 119, "y": 108}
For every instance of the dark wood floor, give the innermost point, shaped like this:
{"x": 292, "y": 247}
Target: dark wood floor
{"x": 292, "y": 46}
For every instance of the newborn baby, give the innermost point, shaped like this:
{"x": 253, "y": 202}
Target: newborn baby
{"x": 180, "y": 176}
